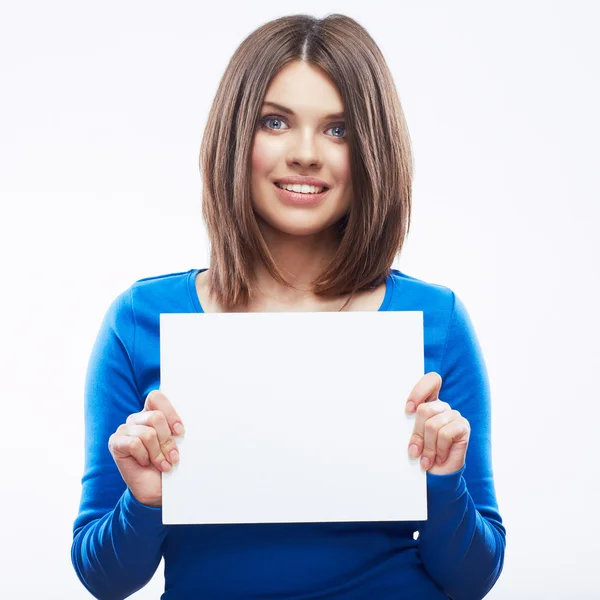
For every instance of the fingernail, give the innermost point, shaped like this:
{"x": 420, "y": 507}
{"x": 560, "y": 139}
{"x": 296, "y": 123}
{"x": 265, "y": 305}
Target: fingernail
{"x": 174, "y": 456}
{"x": 410, "y": 406}
{"x": 425, "y": 462}
{"x": 413, "y": 451}
{"x": 165, "y": 466}
{"x": 179, "y": 430}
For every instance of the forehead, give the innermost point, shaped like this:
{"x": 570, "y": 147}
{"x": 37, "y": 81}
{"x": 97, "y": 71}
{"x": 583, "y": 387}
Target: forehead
{"x": 305, "y": 89}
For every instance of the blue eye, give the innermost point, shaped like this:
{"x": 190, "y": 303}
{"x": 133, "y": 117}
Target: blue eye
{"x": 265, "y": 120}
{"x": 339, "y": 127}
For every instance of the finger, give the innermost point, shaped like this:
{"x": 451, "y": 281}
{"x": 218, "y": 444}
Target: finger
{"x": 431, "y": 439}
{"x": 426, "y": 390}
{"x": 123, "y": 446}
{"x": 157, "y": 420}
{"x": 424, "y": 412}
{"x": 156, "y": 400}
{"x": 457, "y": 430}
{"x": 149, "y": 438}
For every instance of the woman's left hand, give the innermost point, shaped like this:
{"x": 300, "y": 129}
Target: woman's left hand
{"x": 441, "y": 435}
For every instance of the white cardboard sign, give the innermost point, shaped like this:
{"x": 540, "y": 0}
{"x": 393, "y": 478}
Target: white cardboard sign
{"x": 293, "y": 416}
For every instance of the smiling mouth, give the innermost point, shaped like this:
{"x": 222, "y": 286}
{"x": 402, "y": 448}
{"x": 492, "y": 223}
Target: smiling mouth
{"x": 299, "y": 198}
{"x": 321, "y": 189}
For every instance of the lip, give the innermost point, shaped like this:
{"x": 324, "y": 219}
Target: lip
{"x": 298, "y": 199}
{"x": 297, "y": 180}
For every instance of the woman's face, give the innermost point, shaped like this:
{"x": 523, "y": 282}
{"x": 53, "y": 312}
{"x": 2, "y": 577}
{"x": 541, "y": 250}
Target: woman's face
{"x": 302, "y": 141}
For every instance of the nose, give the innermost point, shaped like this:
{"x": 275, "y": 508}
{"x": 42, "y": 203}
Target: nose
{"x": 304, "y": 150}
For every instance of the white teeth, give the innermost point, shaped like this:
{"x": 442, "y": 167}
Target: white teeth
{"x": 303, "y": 189}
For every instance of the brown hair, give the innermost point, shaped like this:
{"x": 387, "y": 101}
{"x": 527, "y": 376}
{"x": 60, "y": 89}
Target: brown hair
{"x": 372, "y": 233}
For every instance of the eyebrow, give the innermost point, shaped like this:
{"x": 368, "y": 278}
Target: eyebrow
{"x": 289, "y": 111}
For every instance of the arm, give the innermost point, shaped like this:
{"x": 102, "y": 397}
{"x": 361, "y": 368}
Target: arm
{"x": 463, "y": 541}
{"x": 116, "y": 539}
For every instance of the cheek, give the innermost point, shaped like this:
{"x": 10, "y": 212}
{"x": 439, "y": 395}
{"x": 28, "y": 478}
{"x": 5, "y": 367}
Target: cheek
{"x": 345, "y": 172}
{"x": 343, "y": 175}
{"x": 264, "y": 156}
{"x": 338, "y": 162}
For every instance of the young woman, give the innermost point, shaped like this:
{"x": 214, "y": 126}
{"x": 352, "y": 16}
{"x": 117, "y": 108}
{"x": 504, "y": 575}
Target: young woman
{"x": 307, "y": 170}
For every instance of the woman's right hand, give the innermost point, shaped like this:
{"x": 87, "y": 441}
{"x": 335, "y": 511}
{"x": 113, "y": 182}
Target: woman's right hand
{"x": 143, "y": 447}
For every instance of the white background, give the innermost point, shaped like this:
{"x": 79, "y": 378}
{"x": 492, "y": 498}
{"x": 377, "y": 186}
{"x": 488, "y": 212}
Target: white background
{"x": 102, "y": 108}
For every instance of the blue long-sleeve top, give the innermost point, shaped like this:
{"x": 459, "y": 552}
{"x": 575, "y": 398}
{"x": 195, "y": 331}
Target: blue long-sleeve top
{"x": 118, "y": 542}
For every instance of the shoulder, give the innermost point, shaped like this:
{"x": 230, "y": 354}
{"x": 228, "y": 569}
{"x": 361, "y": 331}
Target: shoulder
{"x": 159, "y": 282}
{"x": 412, "y": 293}
{"x": 164, "y": 291}
{"x": 147, "y": 297}
{"x": 443, "y": 308}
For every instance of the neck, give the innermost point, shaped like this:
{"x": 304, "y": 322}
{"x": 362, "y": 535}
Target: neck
{"x": 301, "y": 259}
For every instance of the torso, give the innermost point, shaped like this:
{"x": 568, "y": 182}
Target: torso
{"x": 369, "y": 300}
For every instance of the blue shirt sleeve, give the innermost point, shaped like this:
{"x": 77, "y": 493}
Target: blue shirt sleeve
{"x": 463, "y": 541}
{"x": 116, "y": 540}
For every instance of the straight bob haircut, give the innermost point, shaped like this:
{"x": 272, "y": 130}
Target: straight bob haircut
{"x": 373, "y": 231}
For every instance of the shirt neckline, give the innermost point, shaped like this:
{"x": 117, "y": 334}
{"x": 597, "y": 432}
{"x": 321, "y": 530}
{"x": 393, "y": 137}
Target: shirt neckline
{"x": 389, "y": 290}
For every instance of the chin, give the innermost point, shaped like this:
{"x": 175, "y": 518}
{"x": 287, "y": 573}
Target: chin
{"x": 296, "y": 226}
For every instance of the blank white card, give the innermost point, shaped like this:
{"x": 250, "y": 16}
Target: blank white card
{"x": 292, "y": 417}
